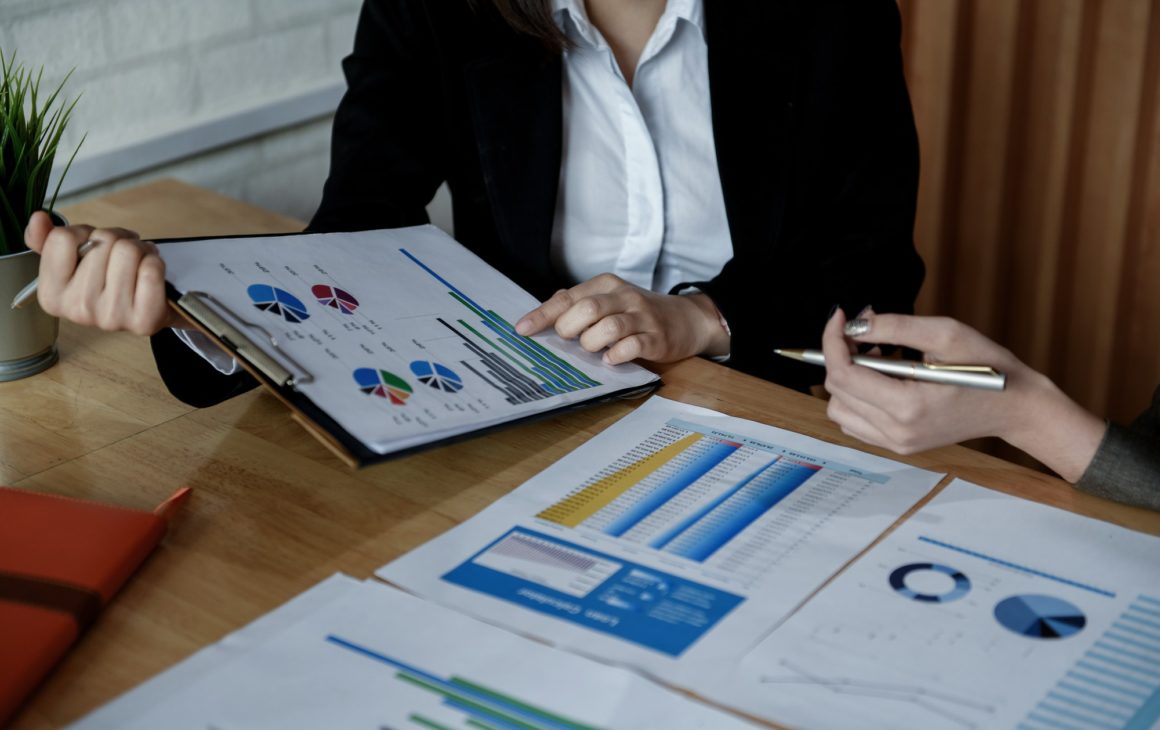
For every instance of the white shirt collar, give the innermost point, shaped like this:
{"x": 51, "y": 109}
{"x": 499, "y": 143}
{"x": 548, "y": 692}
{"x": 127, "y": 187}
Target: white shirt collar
{"x": 582, "y": 32}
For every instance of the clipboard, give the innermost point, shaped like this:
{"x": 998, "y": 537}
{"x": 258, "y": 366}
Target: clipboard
{"x": 259, "y": 353}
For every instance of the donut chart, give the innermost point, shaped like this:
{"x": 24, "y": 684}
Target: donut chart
{"x": 1040, "y": 617}
{"x": 383, "y": 384}
{"x": 962, "y": 584}
{"x": 278, "y": 301}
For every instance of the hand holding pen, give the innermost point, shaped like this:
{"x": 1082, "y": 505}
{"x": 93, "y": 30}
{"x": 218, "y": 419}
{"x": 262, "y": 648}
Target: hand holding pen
{"x": 910, "y": 415}
{"x": 906, "y": 416}
{"x": 983, "y": 377}
{"x": 28, "y": 293}
{"x": 119, "y": 284}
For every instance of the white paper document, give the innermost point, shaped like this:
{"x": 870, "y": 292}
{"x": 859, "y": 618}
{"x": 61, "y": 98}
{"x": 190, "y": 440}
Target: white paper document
{"x": 981, "y": 611}
{"x": 671, "y": 542}
{"x": 362, "y": 655}
{"x": 408, "y": 335}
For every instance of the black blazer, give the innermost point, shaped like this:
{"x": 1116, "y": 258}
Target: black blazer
{"x": 816, "y": 149}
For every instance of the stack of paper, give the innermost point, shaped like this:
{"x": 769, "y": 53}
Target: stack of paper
{"x": 675, "y": 544}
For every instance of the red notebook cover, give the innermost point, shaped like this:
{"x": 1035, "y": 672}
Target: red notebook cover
{"x": 61, "y": 561}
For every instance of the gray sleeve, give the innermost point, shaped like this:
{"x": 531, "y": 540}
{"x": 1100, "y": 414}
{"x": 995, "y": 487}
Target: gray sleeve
{"x": 1126, "y": 466}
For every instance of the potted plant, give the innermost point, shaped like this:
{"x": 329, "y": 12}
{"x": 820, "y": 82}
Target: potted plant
{"x": 31, "y": 126}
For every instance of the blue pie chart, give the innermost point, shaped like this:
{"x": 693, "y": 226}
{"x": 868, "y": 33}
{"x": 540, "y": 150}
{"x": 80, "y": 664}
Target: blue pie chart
{"x": 278, "y": 301}
{"x": 1040, "y": 617}
{"x": 437, "y": 376}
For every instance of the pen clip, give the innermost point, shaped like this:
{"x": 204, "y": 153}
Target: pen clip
{"x": 986, "y": 369}
{"x": 194, "y": 302}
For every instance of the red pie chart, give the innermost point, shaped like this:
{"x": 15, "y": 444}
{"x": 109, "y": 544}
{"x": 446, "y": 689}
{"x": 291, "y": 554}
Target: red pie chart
{"x": 332, "y": 296}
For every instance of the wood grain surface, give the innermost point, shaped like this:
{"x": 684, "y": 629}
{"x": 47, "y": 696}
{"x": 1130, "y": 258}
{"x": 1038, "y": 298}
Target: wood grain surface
{"x": 273, "y": 511}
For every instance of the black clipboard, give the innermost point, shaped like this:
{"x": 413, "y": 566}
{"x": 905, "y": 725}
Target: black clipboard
{"x": 280, "y": 375}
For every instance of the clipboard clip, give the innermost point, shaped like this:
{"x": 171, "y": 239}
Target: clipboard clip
{"x": 197, "y": 305}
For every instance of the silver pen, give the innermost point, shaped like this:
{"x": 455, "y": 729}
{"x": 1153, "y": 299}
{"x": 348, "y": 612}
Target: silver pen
{"x": 969, "y": 376}
{"x": 24, "y": 296}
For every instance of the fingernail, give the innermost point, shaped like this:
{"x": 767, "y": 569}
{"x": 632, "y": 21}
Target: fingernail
{"x": 857, "y": 327}
{"x": 831, "y": 314}
{"x": 866, "y": 312}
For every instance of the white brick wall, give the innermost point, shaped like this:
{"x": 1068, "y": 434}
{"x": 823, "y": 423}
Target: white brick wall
{"x": 148, "y": 68}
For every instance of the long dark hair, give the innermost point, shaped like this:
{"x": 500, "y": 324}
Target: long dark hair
{"x": 531, "y": 17}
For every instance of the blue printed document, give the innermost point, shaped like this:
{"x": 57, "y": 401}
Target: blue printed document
{"x": 982, "y": 610}
{"x": 672, "y": 542}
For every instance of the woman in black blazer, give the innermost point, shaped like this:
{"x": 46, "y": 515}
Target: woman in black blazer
{"x": 814, "y": 137}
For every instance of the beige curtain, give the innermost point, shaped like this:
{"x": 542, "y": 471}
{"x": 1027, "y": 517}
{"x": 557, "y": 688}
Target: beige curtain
{"x": 1039, "y": 205}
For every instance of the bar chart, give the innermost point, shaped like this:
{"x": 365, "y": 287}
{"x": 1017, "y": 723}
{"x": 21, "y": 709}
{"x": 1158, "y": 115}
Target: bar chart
{"x": 1117, "y": 680}
{"x": 689, "y": 492}
{"x": 520, "y": 368}
{"x": 481, "y": 706}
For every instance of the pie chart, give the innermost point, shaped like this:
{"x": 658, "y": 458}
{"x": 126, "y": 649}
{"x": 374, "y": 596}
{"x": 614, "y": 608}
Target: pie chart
{"x": 383, "y": 384}
{"x": 437, "y": 376}
{"x": 278, "y": 301}
{"x": 956, "y": 587}
{"x": 1040, "y": 617}
{"x": 332, "y": 296}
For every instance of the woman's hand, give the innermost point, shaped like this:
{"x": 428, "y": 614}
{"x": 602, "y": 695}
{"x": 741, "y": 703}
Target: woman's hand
{"x": 907, "y": 416}
{"x": 118, "y": 285}
{"x": 606, "y": 312}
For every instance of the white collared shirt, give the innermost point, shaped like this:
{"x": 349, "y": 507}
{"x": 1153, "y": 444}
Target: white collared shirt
{"x": 640, "y": 195}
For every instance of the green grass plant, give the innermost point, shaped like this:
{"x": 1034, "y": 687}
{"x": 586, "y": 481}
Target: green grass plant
{"x": 30, "y": 130}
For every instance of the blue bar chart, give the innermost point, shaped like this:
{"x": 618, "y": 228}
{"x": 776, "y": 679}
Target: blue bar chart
{"x": 705, "y": 531}
{"x": 517, "y": 366}
{"x": 690, "y": 492}
{"x": 712, "y": 453}
{"x": 1116, "y": 683}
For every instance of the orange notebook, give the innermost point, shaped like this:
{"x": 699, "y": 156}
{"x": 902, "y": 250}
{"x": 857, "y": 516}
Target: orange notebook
{"x": 61, "y": 561}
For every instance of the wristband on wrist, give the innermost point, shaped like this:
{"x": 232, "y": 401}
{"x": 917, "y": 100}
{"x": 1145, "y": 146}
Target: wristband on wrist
{"x": 720, "y": 320}
{"x": 720, "y": 317}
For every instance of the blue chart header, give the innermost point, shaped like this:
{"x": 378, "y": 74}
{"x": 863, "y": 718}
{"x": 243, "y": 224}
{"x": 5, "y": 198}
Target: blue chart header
{"x": 779, "y": 450}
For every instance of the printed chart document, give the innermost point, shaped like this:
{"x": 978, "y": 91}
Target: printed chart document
{"x": 980, "y": 611}
{"x": 671, "y": 542}
{"x": 362, "y": 655}
{"x": 402, "y": 337}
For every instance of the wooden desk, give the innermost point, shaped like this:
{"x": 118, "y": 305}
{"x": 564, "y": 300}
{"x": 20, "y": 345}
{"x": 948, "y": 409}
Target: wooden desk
{"x": 274, "y": 512}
